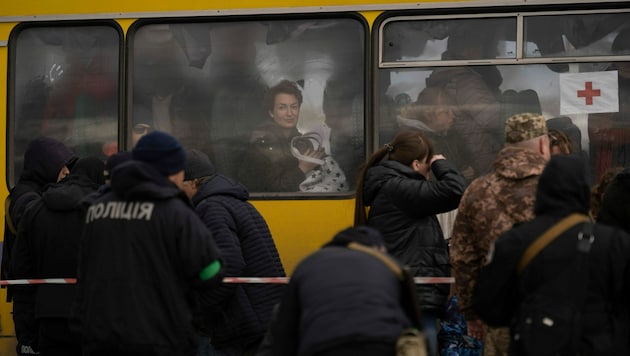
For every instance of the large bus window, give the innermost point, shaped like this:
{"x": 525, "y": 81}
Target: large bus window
{"x": 64, "y": 84}
{"x": 463, "y": 105}
{"x": 205, "y": 82}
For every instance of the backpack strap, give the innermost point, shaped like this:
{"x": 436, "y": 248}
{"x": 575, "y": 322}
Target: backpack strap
{"x": 547, "y": 237}
{"x": 409, "y": 297}
{"x": 388, "y": 261}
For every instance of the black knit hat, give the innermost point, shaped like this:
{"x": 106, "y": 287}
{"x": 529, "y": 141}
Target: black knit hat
{"x": 198, "y": 165}
{"x": 162, "y": 151}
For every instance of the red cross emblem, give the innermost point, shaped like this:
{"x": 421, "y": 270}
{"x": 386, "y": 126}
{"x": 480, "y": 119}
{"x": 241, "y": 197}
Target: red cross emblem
{"x": 588, "y": 93}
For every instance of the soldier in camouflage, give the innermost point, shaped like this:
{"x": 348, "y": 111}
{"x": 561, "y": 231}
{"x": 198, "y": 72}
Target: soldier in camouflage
{"x": 490, "y": 206}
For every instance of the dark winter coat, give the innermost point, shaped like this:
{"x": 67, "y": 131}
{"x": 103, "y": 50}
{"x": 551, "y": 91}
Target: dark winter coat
{"x": 551, "y": 275}
{"x": 338, "y": 296}
{"x": 49, "y": 235}
{"x": 43, "y": 160}
{"x": 269, "y": 165}
{"x": 236, "y": 315}
{"x": 403, "y": 205}
{"x": 615, "y": 206}
{"x": 142, "y": 252}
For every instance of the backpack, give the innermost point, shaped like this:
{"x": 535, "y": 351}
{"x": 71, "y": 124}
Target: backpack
{"x": 547, "y": 325}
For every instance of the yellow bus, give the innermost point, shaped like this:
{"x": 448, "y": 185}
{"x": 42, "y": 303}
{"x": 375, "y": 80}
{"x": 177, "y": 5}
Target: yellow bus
{"x": 96, "y": 75}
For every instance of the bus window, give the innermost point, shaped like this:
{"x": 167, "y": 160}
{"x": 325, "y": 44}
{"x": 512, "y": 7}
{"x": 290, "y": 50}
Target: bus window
{"x": 573, "y": 35}
{"x": 64, "y": 85}
{"x": 461, "y": 39}
{"x": 586, "y": 96}
{"x": 205, "y": 82}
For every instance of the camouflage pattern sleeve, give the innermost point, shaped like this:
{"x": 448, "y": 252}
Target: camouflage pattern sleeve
{"x": 466, "y": 253}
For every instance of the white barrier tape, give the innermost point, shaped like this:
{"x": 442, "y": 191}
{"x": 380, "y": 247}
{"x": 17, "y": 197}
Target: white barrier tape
{"x": 243, "y": 280}
{"x": 284, "y": 280}
{"x": 39, "y": 281}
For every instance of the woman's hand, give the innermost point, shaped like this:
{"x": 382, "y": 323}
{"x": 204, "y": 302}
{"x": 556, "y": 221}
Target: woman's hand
{"x": 435, "y": 158}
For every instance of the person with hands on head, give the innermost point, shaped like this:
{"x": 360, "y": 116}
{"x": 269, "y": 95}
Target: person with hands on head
{"x": 403, "y": 204}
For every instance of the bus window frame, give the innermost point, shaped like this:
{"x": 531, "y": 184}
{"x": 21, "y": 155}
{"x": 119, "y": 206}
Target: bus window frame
{"x": 387, "y": 18}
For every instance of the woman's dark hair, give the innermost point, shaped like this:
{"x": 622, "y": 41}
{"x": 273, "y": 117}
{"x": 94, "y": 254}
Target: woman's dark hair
{"x": 559, "y": 139}
{"x": 284, "y": 87}
{"x": 407, "y": 146}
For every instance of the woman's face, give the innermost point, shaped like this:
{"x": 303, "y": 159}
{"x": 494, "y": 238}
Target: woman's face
{"x": 286, "y": 111}
{"x": 421, "y": 166}
{"x": 442, "y": 118}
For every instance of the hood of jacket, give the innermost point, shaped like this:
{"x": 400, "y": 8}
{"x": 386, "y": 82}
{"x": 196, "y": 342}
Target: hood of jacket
{"x": 518, "y": 163}
{"x": 85, "y": 178}
{"x": 220, "y": 185}
{"x": 563, "y": 187}
{"x": 43, "y": 160}
{"x": 136, "y": 180}
{"x": 378, "y": 175}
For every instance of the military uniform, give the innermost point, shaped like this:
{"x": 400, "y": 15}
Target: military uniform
{"x": 490, "y": 206}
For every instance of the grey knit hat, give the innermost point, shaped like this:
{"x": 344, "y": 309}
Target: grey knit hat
{"x": 198, "y": 165}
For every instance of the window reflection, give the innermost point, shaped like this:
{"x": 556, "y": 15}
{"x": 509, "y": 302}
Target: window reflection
{"x": 205, "y": 83}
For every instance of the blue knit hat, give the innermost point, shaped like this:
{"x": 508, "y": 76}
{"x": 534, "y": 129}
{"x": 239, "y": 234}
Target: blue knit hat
{"x": 162, "y": 151}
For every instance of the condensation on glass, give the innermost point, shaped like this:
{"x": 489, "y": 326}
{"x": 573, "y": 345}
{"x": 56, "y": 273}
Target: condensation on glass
{"x": 65, "y": 86}
{"x": 571, "y": 67}
{"x": 205, "y": 82}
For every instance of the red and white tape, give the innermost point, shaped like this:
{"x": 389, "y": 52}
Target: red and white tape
{"x": 39, "y": 281}
{"x": 235, "y": 280}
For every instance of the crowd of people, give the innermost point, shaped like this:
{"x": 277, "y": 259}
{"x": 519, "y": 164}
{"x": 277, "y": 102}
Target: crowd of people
{"x": 541, "y": 260}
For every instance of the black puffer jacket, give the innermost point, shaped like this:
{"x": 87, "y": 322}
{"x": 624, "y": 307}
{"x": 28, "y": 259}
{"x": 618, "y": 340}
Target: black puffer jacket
{"x": 236, "y": 315}
{"x": 403, "y": 205}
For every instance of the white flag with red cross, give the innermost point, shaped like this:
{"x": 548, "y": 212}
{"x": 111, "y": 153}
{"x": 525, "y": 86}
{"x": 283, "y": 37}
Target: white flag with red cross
{"x": 585, "y": 93}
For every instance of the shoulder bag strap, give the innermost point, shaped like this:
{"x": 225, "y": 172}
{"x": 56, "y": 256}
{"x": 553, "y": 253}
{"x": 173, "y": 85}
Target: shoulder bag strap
{"x": 545, "y": 239}
{"x": 388, "y": 261}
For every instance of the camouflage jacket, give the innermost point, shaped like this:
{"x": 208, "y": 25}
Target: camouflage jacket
{"x": 490, "y": 206}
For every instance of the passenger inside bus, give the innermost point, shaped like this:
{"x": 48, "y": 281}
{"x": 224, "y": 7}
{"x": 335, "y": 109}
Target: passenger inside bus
{"x": 434, "y": 114}
{"x": 269, "y": 165}
{"x": 475, "y": 90}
